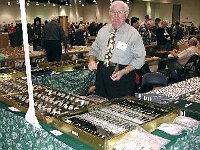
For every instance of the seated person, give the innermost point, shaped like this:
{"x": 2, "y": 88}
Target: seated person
{"x": 184, "y": 56}
{"x": 175, "y": 70}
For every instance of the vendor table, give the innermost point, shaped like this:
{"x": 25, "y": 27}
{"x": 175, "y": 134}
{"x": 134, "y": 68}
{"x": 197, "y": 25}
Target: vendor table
{"x": 16, "y": 133}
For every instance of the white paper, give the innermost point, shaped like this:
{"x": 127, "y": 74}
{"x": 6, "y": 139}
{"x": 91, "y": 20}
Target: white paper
{"x": 14, "y": 109}
{"x": 56, "y": 132}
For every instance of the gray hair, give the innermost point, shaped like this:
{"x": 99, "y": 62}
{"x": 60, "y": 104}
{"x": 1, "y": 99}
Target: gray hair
{"x": 120, "y": 3}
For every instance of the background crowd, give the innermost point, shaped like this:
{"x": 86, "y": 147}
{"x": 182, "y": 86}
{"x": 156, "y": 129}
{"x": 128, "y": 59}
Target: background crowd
{"x": 157, "y": 30}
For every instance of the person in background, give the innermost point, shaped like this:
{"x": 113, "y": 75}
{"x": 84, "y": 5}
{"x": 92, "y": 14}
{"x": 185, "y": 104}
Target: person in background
{"x": 115, "y": 77}
{"x": 92, "y": 29}
{"x": 52, "y": 37}
{"x": 79, "y": 36}
{"x": 12, "y": 35}
{"x": 71, "y": 31}
{"x": 145, "y": 30}
{"x": 127, "y": 21}
{"x": 184, "y": 56}
{"x": 164, "y": 37}
{"x": 135, "y": 22}
{"x": 157, "y": 22}
{"x": 11, "y": 28}
{"x": 177, "y": 33}
{"x": 175, "y": 66}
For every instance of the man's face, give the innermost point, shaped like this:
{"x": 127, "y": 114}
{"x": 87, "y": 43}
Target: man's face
{"x": 118, "y": 15}
{"x": 150, "y": 24}
{"x": 136, "y": 25}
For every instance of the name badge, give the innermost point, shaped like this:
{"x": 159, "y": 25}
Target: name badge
{"x": 121, "y": 45}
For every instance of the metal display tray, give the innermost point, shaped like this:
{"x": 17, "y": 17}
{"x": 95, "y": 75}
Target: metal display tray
{"x": 46, "y": 119}
{"x": 90, "y": 127}
{"x": 51, "y": 103}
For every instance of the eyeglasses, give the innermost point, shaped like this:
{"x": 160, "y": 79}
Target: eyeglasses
{"x": 120, "y": 12}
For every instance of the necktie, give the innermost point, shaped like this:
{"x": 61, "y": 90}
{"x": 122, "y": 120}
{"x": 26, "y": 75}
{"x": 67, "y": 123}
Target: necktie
{"x": 111, "y": 43}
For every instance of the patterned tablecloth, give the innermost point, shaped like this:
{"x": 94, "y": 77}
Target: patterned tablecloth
{"x": 17, "y": 134}
{"x": 188, "y": 140}
{"x": 76, "y": 81}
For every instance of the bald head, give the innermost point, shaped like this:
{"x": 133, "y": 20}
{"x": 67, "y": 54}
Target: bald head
{"x": 193, "y": 41}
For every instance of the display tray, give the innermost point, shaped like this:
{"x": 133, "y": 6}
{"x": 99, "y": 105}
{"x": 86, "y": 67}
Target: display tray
{"x": 52, "y": 103}
{"x": 16, "y": 85}
{"x": 46, "y": 119}
{"x": 103, "y": 126}
{"x": 65, "y": 65}
{"x": 11, "y": 74}
{"x": 194, "y": 97}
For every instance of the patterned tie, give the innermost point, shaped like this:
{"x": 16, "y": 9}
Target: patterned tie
{"x": 111, "y": 43}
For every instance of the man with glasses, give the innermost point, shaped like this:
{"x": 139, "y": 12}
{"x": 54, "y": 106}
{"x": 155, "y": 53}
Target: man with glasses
{"x": 117, "y": 51}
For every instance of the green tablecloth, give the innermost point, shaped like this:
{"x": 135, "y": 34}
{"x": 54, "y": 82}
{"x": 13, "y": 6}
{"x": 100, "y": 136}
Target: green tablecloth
{"x": 16, "y": 133}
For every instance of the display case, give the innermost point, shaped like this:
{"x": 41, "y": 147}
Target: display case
{"x": 172, "y": 92}
{"x": 51, "y": 103}
{"x": 107, "y": 124}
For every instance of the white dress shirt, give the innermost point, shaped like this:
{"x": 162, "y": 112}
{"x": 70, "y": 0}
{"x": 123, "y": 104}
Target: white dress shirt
{"x": 185, "y": 55}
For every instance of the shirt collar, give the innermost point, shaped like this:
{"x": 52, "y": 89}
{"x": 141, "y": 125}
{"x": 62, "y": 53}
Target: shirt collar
{"x": 120, "y": 30}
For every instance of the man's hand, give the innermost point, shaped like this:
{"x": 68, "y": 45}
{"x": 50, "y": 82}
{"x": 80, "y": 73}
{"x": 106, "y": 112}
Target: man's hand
{"x": 92, "y": 65}
{"x": 116, "y": 76}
